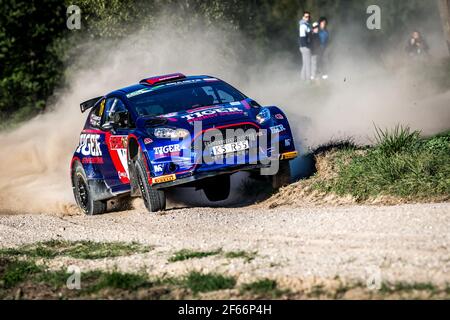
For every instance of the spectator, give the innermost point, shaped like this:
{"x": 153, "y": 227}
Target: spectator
{"x": 324, "y": 40}
{"x": 315, "y": 49}
{"x": 417, "y": 46}
{"x": 305, "y": 46}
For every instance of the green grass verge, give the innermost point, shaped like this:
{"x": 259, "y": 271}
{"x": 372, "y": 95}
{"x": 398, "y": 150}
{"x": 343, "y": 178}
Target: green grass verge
{"x": 38, "y": 281}
{"x": 264, "y": 288}
{"x": 199, "y": 282}
{"x": 186, "y": 254}
{"x": 401, "y": 164}
{"x": 76, "y": 249}
{"x": 241, "y": 254}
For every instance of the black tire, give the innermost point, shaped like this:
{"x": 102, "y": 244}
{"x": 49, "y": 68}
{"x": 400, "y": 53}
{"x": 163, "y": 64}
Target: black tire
{"x": 217, "y": 188}
{"x": 154, "y": 200}
{"x": 83, "y": 194}
{"x": 283, "y": 177}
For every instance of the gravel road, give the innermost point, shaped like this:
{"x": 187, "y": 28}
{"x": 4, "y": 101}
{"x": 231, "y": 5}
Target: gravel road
{"x": 400, "y": 243}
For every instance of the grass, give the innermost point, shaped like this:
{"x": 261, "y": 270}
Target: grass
{"x": 37, "y": 282}
{"x": 402, "y": 287}
{"x": 247, "y": 256}
{"x": 263, "y": 288}
{"x": 14, "y": 271}
{"x": 199, "y": 282}
{"x": 186, "y": 254}
{"x": 119, "y": 280}
{"x": 76, "y": 249}
{"x": 401, "y": 164}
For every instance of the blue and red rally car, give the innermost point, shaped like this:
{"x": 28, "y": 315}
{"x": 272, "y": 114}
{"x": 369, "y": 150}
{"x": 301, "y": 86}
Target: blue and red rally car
{"x": 176, "y": 131}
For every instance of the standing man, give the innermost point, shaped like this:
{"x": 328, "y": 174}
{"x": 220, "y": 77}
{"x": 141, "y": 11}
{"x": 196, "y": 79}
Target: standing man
{"x": 305, "y": 46}
{"x": 324, "y": 40}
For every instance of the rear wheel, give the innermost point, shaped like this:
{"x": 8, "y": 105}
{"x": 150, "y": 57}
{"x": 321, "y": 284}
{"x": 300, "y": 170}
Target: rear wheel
{"x": 217, "y": 188}
{"x": 83, "y": 194}
{"x": 154, "y": 200}
{"x": 283, "y": 177}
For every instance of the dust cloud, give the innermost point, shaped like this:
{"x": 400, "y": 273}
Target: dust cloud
{"x": 35, "y": 157}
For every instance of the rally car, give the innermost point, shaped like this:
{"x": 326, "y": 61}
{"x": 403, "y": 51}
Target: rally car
{"x": 176, "y": 131}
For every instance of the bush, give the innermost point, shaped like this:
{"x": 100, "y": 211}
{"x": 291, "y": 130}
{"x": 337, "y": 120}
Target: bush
{"x": 401, "y": 164}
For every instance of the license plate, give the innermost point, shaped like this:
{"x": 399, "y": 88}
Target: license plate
{"x": 231, "y": 147}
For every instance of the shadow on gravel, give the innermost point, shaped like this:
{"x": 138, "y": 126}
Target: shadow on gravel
{"x": 245, "y": 190}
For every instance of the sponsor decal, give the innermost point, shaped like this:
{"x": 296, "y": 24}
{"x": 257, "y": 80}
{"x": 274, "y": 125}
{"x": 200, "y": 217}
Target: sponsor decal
{"x": 211, "y": 79}
{"x": 158, "y": 168}
{"x": 148, "y": 141}
{"x": 118, "y": 142}
{"x": 197, "y": 115}
{"x": 122, "y": 175}
{"x": 95, "y": 120}
{"x": 277, "y": 129}
{"x": 287, "y": 142}
{"x": 137, "y": 93}
{"x": 118, "y": 151}
{"x": 167, "y": 150}
{"x": 163, "y": 179}
{"x": 279, "y": 116}
{"x": 236, "y": 103}
{"x": 90, "y": 145}
{"x": 95, "y": 160}
{"x": 170, "y": 115}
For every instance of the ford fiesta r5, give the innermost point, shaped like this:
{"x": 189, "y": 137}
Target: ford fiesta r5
{"x": 172, "y": 131}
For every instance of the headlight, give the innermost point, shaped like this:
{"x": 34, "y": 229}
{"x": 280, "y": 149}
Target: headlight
{"x": 169, "y": 133}
{"x": 263, "y": 116}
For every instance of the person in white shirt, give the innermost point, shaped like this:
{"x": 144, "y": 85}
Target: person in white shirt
{"x": 305, "y": 45}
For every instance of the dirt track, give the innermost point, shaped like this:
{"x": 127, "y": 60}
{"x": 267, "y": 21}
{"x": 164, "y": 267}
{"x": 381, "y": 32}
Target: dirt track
{"x": 402, "y": 243}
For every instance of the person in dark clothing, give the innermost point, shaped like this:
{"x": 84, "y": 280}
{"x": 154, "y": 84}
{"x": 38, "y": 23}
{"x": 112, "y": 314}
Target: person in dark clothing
{"x": 315, "y": 49}
{"x": 324, "y": 40}
{"x": 417, "y": 46}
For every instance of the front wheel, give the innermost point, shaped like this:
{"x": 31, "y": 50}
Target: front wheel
{"x": 83, "y": 194}
{"x": 154, "y": 200}
{"x": 283, "y": 177}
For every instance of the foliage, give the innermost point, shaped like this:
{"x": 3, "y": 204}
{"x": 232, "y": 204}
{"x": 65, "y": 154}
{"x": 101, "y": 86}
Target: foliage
{"x": 76, "y": 249}
{"x": 401, "y": 164}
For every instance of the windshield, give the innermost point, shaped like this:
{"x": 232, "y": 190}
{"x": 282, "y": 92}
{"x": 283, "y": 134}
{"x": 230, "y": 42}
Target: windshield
{"x": 184, "y": 97}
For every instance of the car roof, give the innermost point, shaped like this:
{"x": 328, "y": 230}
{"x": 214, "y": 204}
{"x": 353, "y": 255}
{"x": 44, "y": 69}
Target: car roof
{"x": 136, "y": 87}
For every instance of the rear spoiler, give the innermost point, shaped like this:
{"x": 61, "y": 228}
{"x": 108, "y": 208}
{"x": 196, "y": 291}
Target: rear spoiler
{"x": 89, "y": 104}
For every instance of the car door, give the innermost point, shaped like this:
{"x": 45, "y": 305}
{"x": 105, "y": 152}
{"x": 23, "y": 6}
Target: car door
{"x": 116, "y": 128}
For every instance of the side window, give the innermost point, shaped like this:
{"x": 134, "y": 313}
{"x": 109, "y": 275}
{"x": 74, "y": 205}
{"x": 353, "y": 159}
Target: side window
{"x": 210, "y": 92}
{"x": 115, "y": 113}
{"x": 95, "y": 116}
{"x": 225, "y": 97}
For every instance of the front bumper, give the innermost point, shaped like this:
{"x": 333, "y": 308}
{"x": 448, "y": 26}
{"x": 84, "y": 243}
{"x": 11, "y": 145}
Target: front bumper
{"x": 194, "y": 177}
